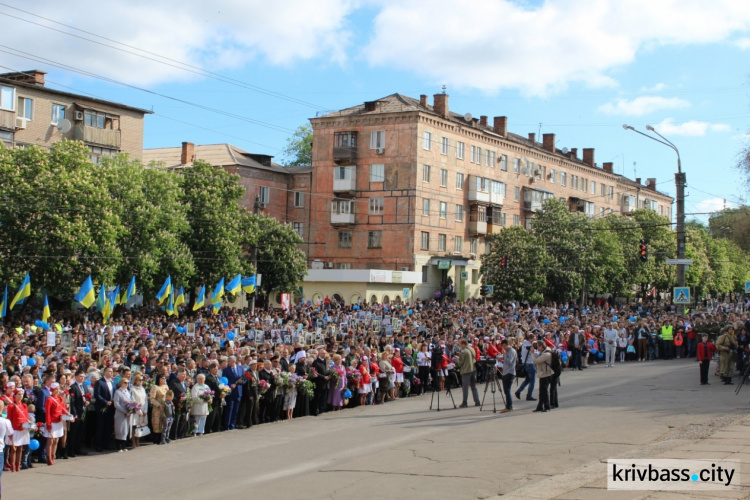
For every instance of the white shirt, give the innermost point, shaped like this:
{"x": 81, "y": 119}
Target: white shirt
{"x": 610, "y": 335}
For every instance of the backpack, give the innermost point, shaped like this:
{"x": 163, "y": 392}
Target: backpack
{"x": 556, "y": 363}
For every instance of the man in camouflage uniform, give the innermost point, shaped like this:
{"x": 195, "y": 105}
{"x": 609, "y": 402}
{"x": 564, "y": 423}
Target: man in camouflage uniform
{"x": 725, "y": 345}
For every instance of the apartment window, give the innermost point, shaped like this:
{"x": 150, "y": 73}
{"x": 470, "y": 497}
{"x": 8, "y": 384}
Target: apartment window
{"x": 459, "y": 213}
{"x": 443, "y": 210}
{"x": 97, "y": 119}
{"x": 7, "y": 98}
{"x": 425, "y": 206}
{"x": 474, "y": 276}
{"x": 376, "y": 205}
{"x": 265, "y": 194}
{"x": 425, "y": 273}
{"x": 503, "y": 219}
{"x": 473, "y": 245}
{"x": 427, "y": 140}
{"x": 345, "y": 265}
{"x": 516, "y": 193}
{"x": 342, "y": 207}
{"x": 574, "y": 181}
{"x": 374, "y": 239}
{"x": 544, "y": 171}
{"x": 552, "y": 175}
{"x": 563, "y": 179}
{"x": 345, "y": 239}
{"x": 459, "y": 181}
{"x": 425, "y": 240}
{"x": 426, "y": 173}
{"x": 504, "y": 162}
{"x": 460, "y": 146}
{"x": 441, "y": 242}
{"x": 593, "y": 187}
{"x": 601, "y": 211}
{"x": 299, "y": 228}
{"x": 483, "y": 184}
{"x": 611, "y": 192}
{"x": 25, "y": 108}
{"x": 516, "y": 220}
{"x": 476, "y": 155}
{"x": 604, "y": 189}
{"x": 491, "y": 158}
{"x": 343, "y": 173}
{"x": 498, "y": 188}
{"x": 443, "y": 177}
{"x": 377, "y": 172}
{"x": 443, "y": 145}
{"x": 377, "y": 139}
{"x": 516, "y": 165}
{"x": 458, "y": 244}
{"x": 58, "y": 113}
{"x": 299, "y": 199}
{"x": 97, "y": 153}
{"x": 585, "y": 185}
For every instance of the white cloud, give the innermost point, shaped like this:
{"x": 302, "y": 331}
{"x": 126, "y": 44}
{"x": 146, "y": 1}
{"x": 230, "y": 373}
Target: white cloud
{"x": 491, "y": 45}
{"x": 713, "y": 205}
{"x": 217, "y": 35}
{"x": 690, "y": 128}
{"x": 743, "y": 43}
{"x": 655, "y": 88}
{"x": 642, "y": 105}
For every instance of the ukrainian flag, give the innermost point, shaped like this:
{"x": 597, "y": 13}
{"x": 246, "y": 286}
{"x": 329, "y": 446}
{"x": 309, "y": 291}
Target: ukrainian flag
{"x": 109, "y": 304}
{"x": 101, "y": 301}
{"x": 248, "y": 284}
{"x": 201, "y": 300}
{"x": 131, "y": 289}
{"x": 180, "y": 299}
{"x": 166, "y": 290}
{"x": 45, "y": 310}
{"x": 217, "y": 295}
{"x": 235, "y": 285}
{"x": 85, "y": 295}
{"x": 170, "y": 305}
{"x": 4, "y": 303}
{"x": 24, "y": 291}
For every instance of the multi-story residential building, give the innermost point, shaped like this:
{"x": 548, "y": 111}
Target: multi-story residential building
{"x": 31, "y": 113}
{"x": 398, "y": 184}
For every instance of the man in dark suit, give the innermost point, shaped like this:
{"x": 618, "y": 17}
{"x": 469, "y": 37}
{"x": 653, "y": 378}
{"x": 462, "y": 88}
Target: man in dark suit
{"x": 179, "y": 388}
{"x": 321, "y": 383}
{"x": 249, "y": 395}
{"x": 267, "y": 399}
{"x": 78, "y": 404}
{"x": 233, "y": 373}
{"x": 213, "y": 421}
{"x": 105, "y": 411}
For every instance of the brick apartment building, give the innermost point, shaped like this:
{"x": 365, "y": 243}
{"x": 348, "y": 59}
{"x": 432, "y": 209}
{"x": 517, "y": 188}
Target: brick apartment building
{"x": 31, "y": 113}
{"x": 402, "y": 185}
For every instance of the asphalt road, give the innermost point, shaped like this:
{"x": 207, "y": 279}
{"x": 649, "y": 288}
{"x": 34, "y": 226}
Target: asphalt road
{"x": 402, "y": 449}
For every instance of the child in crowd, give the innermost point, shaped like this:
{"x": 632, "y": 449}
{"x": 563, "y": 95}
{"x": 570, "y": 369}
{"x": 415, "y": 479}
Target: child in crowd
{"x": 168, "y": 416}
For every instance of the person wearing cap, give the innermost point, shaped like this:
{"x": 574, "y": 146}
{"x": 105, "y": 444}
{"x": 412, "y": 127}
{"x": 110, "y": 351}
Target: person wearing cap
{"x": 726, "y": 344}
{"x": 54, "y": 409}
{"x": 705, "y": 351}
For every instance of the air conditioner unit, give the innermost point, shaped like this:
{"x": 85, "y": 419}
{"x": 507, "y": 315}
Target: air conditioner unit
{"x": 532, "y": 180}
{"x": 379, "y": 151}
{"x": 20, "y": 123}
{"x": 473, "y": 256}
{"x": 538, "y": 172}
{"x": 79, "y": 116}
{"x": 329, "y": 265}
{"x": 405, "y": 268}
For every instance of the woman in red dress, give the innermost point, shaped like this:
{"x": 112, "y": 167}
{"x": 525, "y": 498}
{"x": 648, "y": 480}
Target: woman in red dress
{"x": 18, "y": 414}
{"x": 54, "y": 408}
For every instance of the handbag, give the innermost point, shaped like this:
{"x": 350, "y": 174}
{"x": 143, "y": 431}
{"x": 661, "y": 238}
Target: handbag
{"x": 142, "y": 431}
{"x": 521, "y": 367}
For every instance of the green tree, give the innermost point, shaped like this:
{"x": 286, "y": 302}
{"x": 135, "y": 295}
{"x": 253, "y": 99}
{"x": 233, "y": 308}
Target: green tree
{"x": 655, "y": 229}
{"x": 732, "y": 224}
{"x": 298, "y": 150}
{"x": 525, "y": 276}
{"x": 607, "y": 271}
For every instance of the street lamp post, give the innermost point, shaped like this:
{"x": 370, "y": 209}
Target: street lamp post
{"x": 679, "y": 180}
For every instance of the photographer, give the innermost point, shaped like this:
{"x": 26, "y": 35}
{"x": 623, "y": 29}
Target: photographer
{"x": 467, "y": 367}
{"x": 510, "y": 358}
{"x": 542, "y": 361}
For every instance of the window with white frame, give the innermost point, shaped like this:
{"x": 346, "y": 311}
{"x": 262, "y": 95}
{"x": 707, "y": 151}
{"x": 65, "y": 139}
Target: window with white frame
{"x": 426, "y": 173}
{"x": 376, "y": 205}
{"x": 25, "y": 109}
{"x": 425, "y": 244}
{"x": 377, "y": 139}
{"x": 342, "y": 207}
{"x": 427, "y": 140}
{"x": 7, "y": 98}
{"x": 443, "y": 210}
{"x": 458, "y": 244}
{"x": 299, "y": 228}
{"x": 265, "y": 194}
{"x": 443, "y": 177}
{"x": 460, "y": 147}
{"x": 58, "y": 113}
{"x": 563, "y": 179}
{"x": 345, "y": 239}
{"x": 516, "y": 193}
{"x": 604, "y": 189}
{"x": 611, "y": 192}
{"x": 441, "y": 242}
{"x": 377, "y": 172}
{"x": 491, "y": 158}
{"x": 516, "y": 220}
{"x": 459, "y": 213}
{"x": 504, "y": 162}
{"x": 345, "y": 265}
{"x": 97, "y": 153}
{"x": 473, "y": 245}
{"x": 552, "y": 175}
{"x": 498, "y": 188}
{"x": 444, "y": 145}
{"x": 343, "y": 173}
{"x": 516, "y": 165}
{"x": 476, "y": 155}
{"x": 459, "y": 181}
{"x": 584, "y": 185}
{"x": 6, "y": 138}
{"x": 374, "y": 239}
{"x": 299, "y": 199}
{"x": 593, "y": 187}
{"x": 426, "y": 206}
{"x": 503, "y": 219}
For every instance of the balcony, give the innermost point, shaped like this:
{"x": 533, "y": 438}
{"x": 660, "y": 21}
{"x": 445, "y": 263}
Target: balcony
{"x": 479, "y": 190}
{"x": 344, "y": 179}
{"x": 494, "y": 228}
{"x": 99, "y": 136}
{"x": 477, "y": 227}
{"x": 533, "y": 199}
{"x": 342, "y": 218}
{"x": 344, "y": 147}
{"x": 7, "y": 120}
{"x": 497, "y": 199}
{"x": 342, "y": 212}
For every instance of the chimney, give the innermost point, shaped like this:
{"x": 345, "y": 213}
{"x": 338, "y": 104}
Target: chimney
{"x": 588, "y": 156}
{"x": 501, "y": 125}
{"x": 483, "y": 121}
{"x": 34, "y": 77}
{"x": 651, "y": 183}
{"x": 188, "y": 153}
{"x": 532, "y": 137}
{"x": 440, "y": 104}
{"x": 574, "y": 153}
{"x": 607, "y": 166}
{"x": 548, "y": 142}
{"x": 423, "y": 100}
{"x": 638, "y": 180}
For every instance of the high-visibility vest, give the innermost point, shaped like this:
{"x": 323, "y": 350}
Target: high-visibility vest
{"x": 666, "y": 332}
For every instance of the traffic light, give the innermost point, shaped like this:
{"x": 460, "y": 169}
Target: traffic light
{"x": 483, "y": 290}
{"x": 503, "y": 261}
{"x": 643, "y": 251}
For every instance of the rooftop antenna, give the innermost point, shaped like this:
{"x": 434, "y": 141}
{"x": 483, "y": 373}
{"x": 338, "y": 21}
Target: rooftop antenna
{"x": 540, "y": 130}
{"x": 635, "y": 172}
{"x": 444, "y": 89}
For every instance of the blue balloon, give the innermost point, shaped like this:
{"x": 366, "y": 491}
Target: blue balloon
{"x": 226, "y": 324}
{"x": 562, "y": 319}
{"x": 87, "y": 382}
{"x": 600, "y": 355}
{"x": 31, "y": 362}
{"x": 42, "y": 324}
{"x": 593, "y": 351}
{"x": 545, "y": 321}
{"x": 224, "y": 380}
{"x": 591, "y": 342}
{"x": 385, "y": 308}
{"x": 230, "y": 335}
{"x": 515, "y": 316}
{"x": 614, "y": 318}
{"x": 632, "y": 319}
{"x": 648, "y": 313}
{"x": 87, "y": 349}
{"x": 347, "y": 394}
{"x": 564, "y": 358}
{"x": 411, "y": 312}
{"x": 33, "y": 445}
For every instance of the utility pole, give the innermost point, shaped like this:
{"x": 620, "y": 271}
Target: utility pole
{"x": 256, "y": 211}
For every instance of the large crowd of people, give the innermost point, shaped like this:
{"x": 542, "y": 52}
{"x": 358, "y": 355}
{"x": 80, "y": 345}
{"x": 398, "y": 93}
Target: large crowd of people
{"x": 144, "y": 377}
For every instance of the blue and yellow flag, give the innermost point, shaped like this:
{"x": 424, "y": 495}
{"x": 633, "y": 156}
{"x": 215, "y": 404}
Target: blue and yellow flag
{"x": 110, "y": 304}
{"x": 201, "y": 300}
{"x": 85, "y": 295}
{"x": 24, "y": 291}
{"x": 180, "y": 299}
{"x": 45, "y": 309}
{"x": 166, "y": 290}
{"x": 101, "y": 300}
{"x": 4, "y": 303}
{"x": 217, "y": 295}
{"x": 131, "y": 289}
{"x": 235, "y": 285}
{"x": 248, "y": 284}
{"x": 170, "y": 305}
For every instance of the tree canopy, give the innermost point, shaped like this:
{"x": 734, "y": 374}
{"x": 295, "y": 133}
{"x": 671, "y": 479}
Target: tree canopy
{"x": 298, "y": 150}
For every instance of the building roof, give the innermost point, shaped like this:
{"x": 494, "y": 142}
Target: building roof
{"x": 218, "y": 155}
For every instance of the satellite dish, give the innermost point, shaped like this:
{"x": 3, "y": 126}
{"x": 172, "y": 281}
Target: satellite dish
{"x": 565, "y": 151}
{"x": 467, "y": 117}
{"x": 64, "y": 126}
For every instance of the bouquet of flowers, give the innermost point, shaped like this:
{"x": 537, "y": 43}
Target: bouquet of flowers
{"x": 133, "y": 407}
{"x": 263, "y": 386}
{"x": 278, "y": 379}
{"x": 207, "y": 396}
{"x": 286, "y": 380}
{"x": 334, "y": 376}
{"x": 313, "y": 373}
{"x": 295, "y": 381}
{"x": 224, "y": 390}
{"x": 185, "y": 402}
{"x": 308, "y": 387}
{"x": 29, "y": 398}
{"x": 354, "y": 377}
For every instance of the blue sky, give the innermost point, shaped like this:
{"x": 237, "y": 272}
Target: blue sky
{"x": 576, "y": 68}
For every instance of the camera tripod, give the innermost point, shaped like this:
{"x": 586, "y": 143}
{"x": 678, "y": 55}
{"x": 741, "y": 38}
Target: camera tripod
{"x": 743, "y": 378}
{"x": 493, "y": 383}
{"x": 435, "y": 390}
